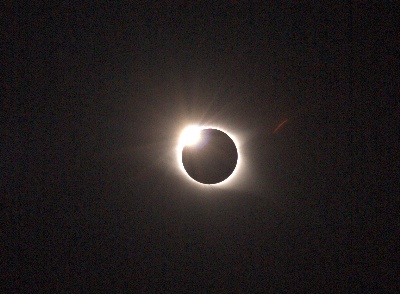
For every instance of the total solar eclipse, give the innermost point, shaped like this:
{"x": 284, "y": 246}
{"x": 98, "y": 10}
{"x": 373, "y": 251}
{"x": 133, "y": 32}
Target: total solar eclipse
{"x": 209, "y": 156}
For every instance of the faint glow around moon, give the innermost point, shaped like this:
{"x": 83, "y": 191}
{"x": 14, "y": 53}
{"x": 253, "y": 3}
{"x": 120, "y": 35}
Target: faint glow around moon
{"x": 191, "y": 136}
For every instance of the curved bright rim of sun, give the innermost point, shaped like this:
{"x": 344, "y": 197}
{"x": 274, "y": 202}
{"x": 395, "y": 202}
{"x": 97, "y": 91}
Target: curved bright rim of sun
{"x": 192, "y": 135}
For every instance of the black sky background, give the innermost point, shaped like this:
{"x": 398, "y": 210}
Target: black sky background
{"x": 96, "y": 95}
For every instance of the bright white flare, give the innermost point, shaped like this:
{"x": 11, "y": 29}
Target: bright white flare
{"x": 190, "y": 136}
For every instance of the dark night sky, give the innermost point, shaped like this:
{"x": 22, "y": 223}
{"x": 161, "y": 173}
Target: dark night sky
{"x": 96, "y": 95}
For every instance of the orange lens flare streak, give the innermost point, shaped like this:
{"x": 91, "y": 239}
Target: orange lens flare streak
{"x": 280, "y": 125}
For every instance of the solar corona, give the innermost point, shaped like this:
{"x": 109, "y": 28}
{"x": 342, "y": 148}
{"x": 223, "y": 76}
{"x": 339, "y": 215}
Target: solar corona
{"x": 208, "y": 155}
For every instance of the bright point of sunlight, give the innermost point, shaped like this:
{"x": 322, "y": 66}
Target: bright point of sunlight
{"x": 190, "y": 136}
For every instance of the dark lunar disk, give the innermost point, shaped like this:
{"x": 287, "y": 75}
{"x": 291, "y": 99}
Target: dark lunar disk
{"x": 213, "y": 159}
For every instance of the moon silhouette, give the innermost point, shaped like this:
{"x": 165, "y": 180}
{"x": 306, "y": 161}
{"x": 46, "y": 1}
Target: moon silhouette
{"x": 212, "y": 158}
